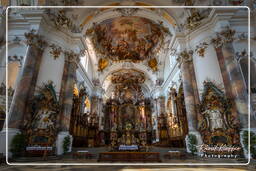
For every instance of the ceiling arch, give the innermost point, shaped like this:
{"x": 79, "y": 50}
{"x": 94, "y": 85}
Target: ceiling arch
{"x": 150, "y": 77}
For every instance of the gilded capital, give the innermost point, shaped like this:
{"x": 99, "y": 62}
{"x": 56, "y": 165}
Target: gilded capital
{"x": 35, "y": 40}
{"x": 71, "y": 57}
{"x": 185, "y": 56}
{"x": 223, "y": 37}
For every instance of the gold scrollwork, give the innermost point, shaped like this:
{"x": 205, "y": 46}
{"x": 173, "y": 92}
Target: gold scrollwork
{"x": 102, "y": 64}
{"x": 152, "y": 63}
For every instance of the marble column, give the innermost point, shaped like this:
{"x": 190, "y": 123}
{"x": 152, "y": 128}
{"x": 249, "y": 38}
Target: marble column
{"x": 232, "y": 75}
{"x": 66, "y": 98}
{"x": 173, "y": 102}
{"x": 155, "y": 115}
{"x": 26, "y": 85}
{"x": 67, "y": 87}
{"x": 185, "y": 60}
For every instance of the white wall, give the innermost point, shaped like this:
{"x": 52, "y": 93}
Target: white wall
{"x": 51, "y": 69}
{"x": 207, "y": 68}
{"x": 167, "y": 67}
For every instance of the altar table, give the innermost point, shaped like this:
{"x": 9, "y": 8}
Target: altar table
{"x": 82, "y": 153}
{"x": 128, "y": 147}
{"x": 39, "y": 150}
{"x": 129, "y": 156}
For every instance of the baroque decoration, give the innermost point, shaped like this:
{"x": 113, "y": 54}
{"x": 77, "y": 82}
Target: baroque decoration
{"x": 194, "y": 20}
{"x": 200, "y": 49}
{"x": 44, "y": 109}
{"x": 62, "y": 21}
{"x": 185, "y": 56}
{"x": 128, "y": 85}
{"x": 35, "y": 40}
{"x": 55, "y": 51}
{"x": 10, "y": 90}
{"x": 127, "y": 112}
{"x": 217, "y": 124}
{"x": 127, "y": 38}
{"x": 223, "y": 37}
{"x": 16, "y": 58}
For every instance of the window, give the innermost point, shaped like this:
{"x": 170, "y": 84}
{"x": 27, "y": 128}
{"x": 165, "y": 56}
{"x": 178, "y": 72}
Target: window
{"x": 85, "y": 61}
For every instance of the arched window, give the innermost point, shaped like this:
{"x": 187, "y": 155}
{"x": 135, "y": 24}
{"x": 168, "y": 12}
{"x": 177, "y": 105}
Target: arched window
{"x": 85, "y": 61}
{"x": 13, "y": 72}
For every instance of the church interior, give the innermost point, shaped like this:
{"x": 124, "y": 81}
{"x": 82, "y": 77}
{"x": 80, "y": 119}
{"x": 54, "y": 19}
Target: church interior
{"x": 128, "y": 81}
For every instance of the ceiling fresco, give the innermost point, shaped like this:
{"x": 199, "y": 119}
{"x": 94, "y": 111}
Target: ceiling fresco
{"x": 127, "y": 76}
{"x": 128, "y": 85}
{"x": 128, "y": 38}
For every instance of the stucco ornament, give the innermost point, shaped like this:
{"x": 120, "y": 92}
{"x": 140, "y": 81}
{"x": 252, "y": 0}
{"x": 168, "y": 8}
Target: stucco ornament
{"x": 194, "y": 19}
{"x": 200, "y": 49}
{"x": 55, "y": 51}
{"x": 225, "y": 36}
{"x": 35, "y": 40}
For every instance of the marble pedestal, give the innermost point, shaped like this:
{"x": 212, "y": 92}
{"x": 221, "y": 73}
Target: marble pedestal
{"x": 199, "y": 141}
{"x": 11, "y": 133}
{"x": 245, "y": 151}
{"x": 59, "y": 142}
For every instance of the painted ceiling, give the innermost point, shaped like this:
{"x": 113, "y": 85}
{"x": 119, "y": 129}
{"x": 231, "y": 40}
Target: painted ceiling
{"x": 128, "y": 85}
{"x": 129, "y": 38}
{"x": 127, "y": 76}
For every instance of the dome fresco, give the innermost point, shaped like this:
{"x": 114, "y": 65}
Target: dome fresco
{"x": 127, "y": 38}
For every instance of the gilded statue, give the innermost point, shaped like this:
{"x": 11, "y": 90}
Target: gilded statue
{"x": 152, "y": 63}
{"x": 102, "y": 64}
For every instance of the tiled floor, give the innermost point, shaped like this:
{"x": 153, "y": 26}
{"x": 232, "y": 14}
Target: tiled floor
{"x": 123, "y": 168}
{"x": 188, "y": 159}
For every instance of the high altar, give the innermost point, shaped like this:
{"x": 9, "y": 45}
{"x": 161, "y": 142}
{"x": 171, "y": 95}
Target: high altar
{"x": 128, "y": 114}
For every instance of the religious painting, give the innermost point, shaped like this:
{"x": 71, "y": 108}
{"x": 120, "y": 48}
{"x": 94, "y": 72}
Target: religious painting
{"x": 128, "y": 114}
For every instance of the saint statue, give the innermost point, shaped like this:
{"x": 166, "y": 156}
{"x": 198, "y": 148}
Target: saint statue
{"x": 215, "y": 119}
{"x": 114, "y": 127}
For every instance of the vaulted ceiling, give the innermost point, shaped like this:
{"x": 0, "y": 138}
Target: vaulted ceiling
{"x": 127, "y": 38}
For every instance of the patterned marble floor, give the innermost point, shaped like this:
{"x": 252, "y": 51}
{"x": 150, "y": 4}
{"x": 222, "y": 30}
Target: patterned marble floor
{"x": 124, "y": 168}
{"x": 69, "y": 159}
